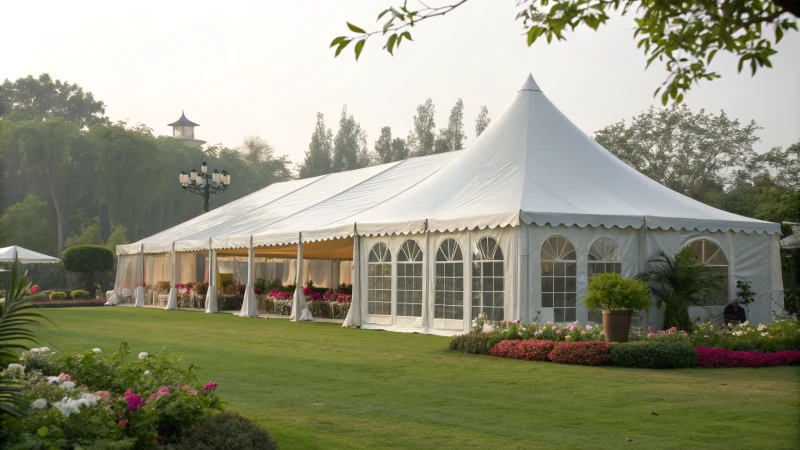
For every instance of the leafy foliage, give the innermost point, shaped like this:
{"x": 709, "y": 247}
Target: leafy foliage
{"x": 482, "y": 121}
{"x": 350, "y": 145}
{"x": 678, "y": 282}
{"x": 79, "y": 294}
{"x": 684, "y": 36}
{"x": 16, "y": 322}
{"x": 422, "y": 136}
{"x": 43, "y": 98}
{"x": 388, "y": 149}
{"x": 653, "y": 355}
{"x": 529, "y": 349}
{"x": 319, "y": 156}
{"x": 88, "y": 260}
{"x": 613, "y": 291}
{"x": 583, "y": 353}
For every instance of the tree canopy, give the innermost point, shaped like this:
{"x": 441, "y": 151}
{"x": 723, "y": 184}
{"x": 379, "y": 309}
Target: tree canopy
{"x": 43, "y": 98}
{"x": 683, "y": 36}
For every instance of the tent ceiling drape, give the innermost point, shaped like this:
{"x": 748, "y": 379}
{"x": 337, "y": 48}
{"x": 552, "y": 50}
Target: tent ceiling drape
{"x": 531, "y": 165}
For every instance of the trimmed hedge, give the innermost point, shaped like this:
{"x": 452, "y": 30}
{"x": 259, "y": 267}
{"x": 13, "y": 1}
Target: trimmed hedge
{"x": 582, "y": 353}
{"x": 653, "y": 355}
{"x": 223, "y": 431}
{"x": 479, "y": 344}
{"x": 70, "y": 303}
{"x": 87, "y": 260}
{"x": 79, "y": 294}
{"x": 720, "y": 357}
{"x": 529, "y": 349}
{"x": 58, "y": 295}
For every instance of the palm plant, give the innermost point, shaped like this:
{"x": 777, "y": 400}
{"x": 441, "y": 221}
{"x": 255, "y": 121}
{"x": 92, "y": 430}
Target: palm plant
{"x": 16, "y": 322}
{"x": 679, "y": 282}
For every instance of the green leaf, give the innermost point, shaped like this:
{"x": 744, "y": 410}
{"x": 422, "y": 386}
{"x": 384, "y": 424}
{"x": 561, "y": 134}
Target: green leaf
{"x": 337, "y": 41}
{"x": 390, "y": 44}
{"x": 355, "y": 29}
{"x": 406, "y": 35}
{"x": 42, "y": 432}
{"x": 383, "y": 13}
{"x": 342, "y": 45}
{"x": 680, "y": 98}
{"x": 359, "y": 47}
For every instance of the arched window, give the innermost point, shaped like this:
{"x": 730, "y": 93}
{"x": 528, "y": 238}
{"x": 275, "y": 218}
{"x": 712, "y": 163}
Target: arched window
{"x": 409, "y": 280}
{"x": 604, "y": 257}
{"x": 488, "y": 278}
{"x": 449, "y": 303}
{"x": 708, "y": 252}
{"x": 379, "y": 279}
{"x": 559, "y": 278}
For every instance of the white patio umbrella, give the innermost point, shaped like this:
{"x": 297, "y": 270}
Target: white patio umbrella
{"x": 25, "y": 256}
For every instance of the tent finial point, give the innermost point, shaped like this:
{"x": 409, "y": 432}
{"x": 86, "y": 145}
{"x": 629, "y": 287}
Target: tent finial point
{"x": 530, "y": 84}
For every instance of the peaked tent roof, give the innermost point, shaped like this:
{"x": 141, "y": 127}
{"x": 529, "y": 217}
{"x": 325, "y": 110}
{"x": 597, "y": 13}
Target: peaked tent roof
{"x": 531, "y": 165}
{"x": 25, "y": 256}
{"x": 183, "y": 121}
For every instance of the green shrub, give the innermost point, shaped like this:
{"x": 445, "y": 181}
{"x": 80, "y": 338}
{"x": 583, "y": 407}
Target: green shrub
{"x": 87, "y": 260}
{"x": 653, "y": 355}
{"x": 613, "y": 291}
{"x": 223, "y": 431}
{"x": 56, "y": 295}
{"x": 476, "y": 343}
{"x": 79, "y": 294}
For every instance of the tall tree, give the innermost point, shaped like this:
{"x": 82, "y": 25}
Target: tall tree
{"x": 690, "y": 153}
{"x": 261, "y": 156}
{"x": 320, "y": 151}
{"x": 29, "y": 224}
{"x": 684, "y": 36}
{"x": 43, "y": 98}
{"x": 786, "y": 164}
{"x": 389, "y": 150}
{"x": 56, "y": 151}
{"x": 350, "y": 145}
{"x": 422, "y": 136}
{"x": 483, "y": 121}
{"x": 454, "y": 133}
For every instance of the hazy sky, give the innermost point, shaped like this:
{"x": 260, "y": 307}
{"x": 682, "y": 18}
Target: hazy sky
{"x": 264, "y": 68}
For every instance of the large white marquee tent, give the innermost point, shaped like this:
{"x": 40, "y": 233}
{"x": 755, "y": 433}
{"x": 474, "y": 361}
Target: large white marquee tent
{"x": 512, "y": 226}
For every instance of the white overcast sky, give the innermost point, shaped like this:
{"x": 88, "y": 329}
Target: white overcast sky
{"x": 264, "y": 68}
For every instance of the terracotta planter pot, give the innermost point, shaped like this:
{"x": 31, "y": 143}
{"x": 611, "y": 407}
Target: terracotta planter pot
{"x": 617, "y": 325}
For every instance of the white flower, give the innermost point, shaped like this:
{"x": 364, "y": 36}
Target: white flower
{"x": 746, "y": 323}
{"x": 69, "y": 385}
{"x": 16, "y": 367}
{"x": 762, "y": 327}
{"x": 67, "y": 406}
{"x": 97, "y": 350}
{"x": 54, "y": 380}
{"x": 39, "y": 404}
{"x": 143, "y": 355}
{"x": 88, "y": 399}
{"x": 40, "y": 350}
{"x": 147, "y": 372}
{"x": 764, "y": 333}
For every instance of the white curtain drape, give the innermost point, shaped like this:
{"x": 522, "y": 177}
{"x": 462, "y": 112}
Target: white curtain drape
{"x": 172, "y": 303}
{"x": 300, "y": 312}
{"x": 140, "y": 278}
{"x": 353, "y": 318}
{"x": 211, "y": 295}
{"x": 250, "y": 303}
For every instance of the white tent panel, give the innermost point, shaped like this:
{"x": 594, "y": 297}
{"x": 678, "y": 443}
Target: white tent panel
{"x": 25, "y": 256}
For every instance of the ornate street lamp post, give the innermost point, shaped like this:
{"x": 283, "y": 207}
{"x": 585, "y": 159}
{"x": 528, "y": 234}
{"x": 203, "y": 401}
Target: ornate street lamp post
{"x": 205, "y": 183}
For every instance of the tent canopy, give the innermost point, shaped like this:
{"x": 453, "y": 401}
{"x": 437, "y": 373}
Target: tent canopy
{"x": 25, "y": 256}
{"x": 531, "y": 165}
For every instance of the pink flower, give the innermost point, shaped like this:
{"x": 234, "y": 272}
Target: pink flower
{"x": 34, "y": 288}
{"x": 122, "y": 423}
{"x": 192, "y": 392}
{"x": 134, "y": 401}
{"x": 650, "y": 335}
{"x": 211, "y": 385}
{"x": 558, "y": 331}
{"x": 103, "y": 395}
{"x": 583, "y": 333}
{"x": 162, "y": 391}
{"x": 649, "y": 328}
{"x": 64, "y": 377}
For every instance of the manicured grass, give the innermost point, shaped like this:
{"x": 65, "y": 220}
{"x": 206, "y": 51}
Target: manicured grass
{"x": 319, "y": 386}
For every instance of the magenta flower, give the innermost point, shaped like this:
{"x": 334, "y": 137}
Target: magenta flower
{"x": 211, "y": 385}
{"x": 558, "y": 331}
{"x": 650, "y": 335}
{"x": 134, "y": 401}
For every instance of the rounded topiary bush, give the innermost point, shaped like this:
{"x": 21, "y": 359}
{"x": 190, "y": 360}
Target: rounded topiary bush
{"x": 653, "y": 355}
{"x": 56, "y": 295}
{"x": 225, "y": 431}
{"x": 87, "y": 260}
{"x": 79, "y": 294}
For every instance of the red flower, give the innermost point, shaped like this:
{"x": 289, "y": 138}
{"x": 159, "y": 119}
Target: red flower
{"x": 158, "y": 438}
{"x": 34, "y": 289}
{"x": 122, "y": 423}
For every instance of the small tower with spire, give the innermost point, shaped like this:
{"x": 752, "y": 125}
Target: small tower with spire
{"x": 183, "y": 130}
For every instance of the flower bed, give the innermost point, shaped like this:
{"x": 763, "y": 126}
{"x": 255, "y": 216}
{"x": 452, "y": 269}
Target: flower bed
{"x": 327, "y": 305}
{"x": 120, "y": 401}
{"x": 531, "y": 349}
{"x": 583, "y": 353}
{"x": 720, "y": 357}
{"x": 69, "y": 303}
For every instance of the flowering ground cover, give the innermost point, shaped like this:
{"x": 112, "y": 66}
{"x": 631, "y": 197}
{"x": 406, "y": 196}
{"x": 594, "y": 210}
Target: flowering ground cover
{"x": 317, "y": 385}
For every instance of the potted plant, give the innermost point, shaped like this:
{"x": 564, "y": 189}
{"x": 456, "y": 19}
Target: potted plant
{"x": 618, "y": 297}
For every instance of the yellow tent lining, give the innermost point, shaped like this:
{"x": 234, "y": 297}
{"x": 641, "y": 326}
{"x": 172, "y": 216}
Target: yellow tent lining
{"x": 341, "y": 248}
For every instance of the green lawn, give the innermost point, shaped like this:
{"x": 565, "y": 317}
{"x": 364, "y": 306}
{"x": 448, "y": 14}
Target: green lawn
{"x": 317, "y": 385}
